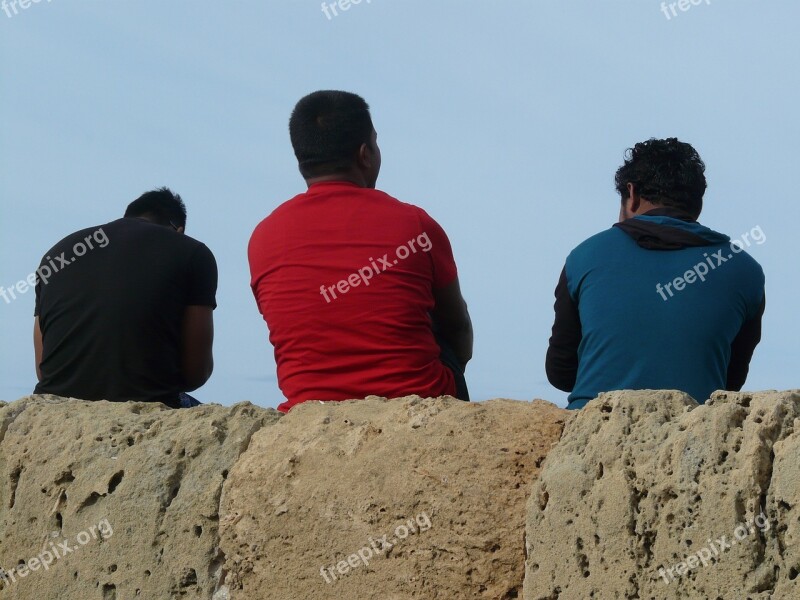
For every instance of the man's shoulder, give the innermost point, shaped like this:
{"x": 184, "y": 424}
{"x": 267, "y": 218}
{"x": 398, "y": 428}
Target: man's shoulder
{"x": 68, "y": 242}
{"x": 392, "y": 204}
{"x": 130, "y": 232}
{"x": 737, "y": 255}
{"x": 598, "y": 242}
{"x": 346, "y": 195}
{"x": 382, "y": 205}
{"x": 159, "y": 235}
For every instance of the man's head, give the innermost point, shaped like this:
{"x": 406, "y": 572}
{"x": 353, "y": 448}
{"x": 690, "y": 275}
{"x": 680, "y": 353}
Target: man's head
{"x": 661, "y": 173}
{"x": 160, "y": 206}
{"x": 333, "y": 138}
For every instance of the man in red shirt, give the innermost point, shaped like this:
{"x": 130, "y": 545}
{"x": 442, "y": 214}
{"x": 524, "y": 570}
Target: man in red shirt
{"x": 359, "y": 290}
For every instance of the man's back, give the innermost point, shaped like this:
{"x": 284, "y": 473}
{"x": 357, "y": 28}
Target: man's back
{"x": 639, "y": 330}
{"x": 344, "y": 276}
{"x": 111, "y": 318}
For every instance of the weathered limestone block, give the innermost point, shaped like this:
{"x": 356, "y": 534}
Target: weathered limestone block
{"x": 445, "y": 481}
{"x": 650, "y": 496}
{"x": 132, "y": 489}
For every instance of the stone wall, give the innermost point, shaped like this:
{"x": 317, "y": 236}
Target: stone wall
{"x": 308, "y": 505}
{"x": 640, "y": 495}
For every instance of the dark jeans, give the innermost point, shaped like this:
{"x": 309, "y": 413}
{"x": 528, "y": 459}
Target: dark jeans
{"x": 449, "y": 360}
{"x": 188, "y": 401}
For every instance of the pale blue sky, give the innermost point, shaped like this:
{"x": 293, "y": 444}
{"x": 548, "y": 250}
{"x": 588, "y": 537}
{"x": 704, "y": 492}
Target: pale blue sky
{"x": 505, "y": 120}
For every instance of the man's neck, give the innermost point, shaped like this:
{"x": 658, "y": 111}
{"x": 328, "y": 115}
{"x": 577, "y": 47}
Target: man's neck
{"x": 670, "y": 211}
{"x": 349, "y": 177}
{"x": 645, "y": 207}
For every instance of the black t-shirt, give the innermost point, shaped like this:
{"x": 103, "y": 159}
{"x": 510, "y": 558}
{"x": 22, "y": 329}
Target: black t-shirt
{"x": 110, "y": 302}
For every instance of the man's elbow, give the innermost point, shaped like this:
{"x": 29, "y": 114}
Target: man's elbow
{"x": 466, "y": 342}
{"x": 457, "y": 331}
{"x": 560, "y": 377}
{"x": 468, "y": 336}
{"x": 197, "y": 375}
{"x": 458, "y": 321}
{"x": 197, "y": 358}
{"x": 561, "y": 381}
{"x": 735, "y": 382}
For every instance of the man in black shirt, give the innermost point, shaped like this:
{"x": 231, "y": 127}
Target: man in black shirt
{"x": 124, "y": 310}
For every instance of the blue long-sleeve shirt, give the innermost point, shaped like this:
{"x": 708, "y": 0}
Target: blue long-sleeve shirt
{"x": 657, "y": 302}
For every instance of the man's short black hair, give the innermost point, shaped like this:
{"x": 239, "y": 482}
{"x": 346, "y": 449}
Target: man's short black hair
{"x": 161, "y": 206}
{"x": 665, "y": 172}
{"x": 327, "y": 128}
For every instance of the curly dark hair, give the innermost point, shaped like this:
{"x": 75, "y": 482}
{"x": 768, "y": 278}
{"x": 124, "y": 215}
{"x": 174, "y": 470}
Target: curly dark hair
{"x": 665, "y": 172}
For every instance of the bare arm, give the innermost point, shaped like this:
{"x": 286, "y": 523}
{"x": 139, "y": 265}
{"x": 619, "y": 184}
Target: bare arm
{"x": 197, "y": 341}
{"x": 452, "y": 316}
{"x": 37, "y": 347}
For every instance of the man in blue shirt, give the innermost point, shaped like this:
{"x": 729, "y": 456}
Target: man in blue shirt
{"x": 658, "y": 301}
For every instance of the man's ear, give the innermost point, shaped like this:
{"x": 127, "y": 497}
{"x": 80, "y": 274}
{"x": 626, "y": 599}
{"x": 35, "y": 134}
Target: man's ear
{"x": 634, "y": 199}
{"x": 181, "y": 230}
{"x": 365, "y": 156}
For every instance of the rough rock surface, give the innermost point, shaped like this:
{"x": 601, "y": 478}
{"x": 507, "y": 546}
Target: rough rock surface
{"x": 646, "y": 496}
{"x": 446, "y": 481}
{"x": 644, "y": 481}
{"x": 132, "y": 489}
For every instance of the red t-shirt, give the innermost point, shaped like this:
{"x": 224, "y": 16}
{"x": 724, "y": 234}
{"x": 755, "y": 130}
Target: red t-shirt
{"x": 344, "y": 277}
